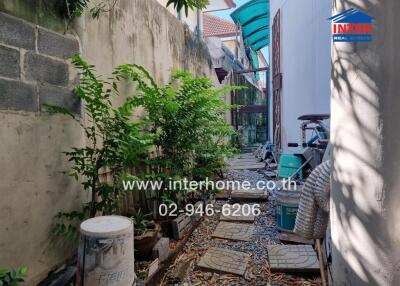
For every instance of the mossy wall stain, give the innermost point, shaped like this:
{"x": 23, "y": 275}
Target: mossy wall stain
{"x": 45, "y": 13}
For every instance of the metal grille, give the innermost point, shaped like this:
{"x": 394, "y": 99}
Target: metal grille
{"x": 277, "y": 79}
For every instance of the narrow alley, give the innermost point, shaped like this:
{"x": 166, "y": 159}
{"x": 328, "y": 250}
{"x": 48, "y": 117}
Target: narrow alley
{"x": 255, "y": 268}
{"x": 199, "y": 143}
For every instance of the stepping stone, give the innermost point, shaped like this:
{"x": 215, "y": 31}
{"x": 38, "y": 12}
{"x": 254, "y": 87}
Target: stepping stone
{"x": 292, "y": 258}
{"x": 238, "y": 216}
{"x": 245, "y": 155}
{"x": 247, "y": 166}
{"x": 244, "y": 161}
{"x": 223, "y": 195}
{"x": 271, "y": 174}
{"x": 234, "y": 231}
{"x": 286, "y": 237}
{"x": 249, "y": 195}
{"x": 225, "y": 261}
{"x": 243, "y": 158}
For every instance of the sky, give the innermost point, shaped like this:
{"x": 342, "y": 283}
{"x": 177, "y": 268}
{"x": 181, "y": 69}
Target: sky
{"x": 226, "y": 15}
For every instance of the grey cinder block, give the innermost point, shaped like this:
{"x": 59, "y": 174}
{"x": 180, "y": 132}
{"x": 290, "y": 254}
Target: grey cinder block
{"x": 59, "y": 96}
{"x": 16, "y": 95}
{"x": 16, "y": 32}
{"x": 57, "y": 45}
{"x": 44, "y": 69}
{"x": 9, "y": 62}
{"x": 161, "y": 249}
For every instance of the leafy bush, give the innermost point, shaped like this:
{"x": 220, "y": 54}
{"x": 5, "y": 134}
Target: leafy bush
{"x": 12, "y": 277}
{"x": 114, "y": 143}
{"x": 188, "y": 118}
{"x": 142, "y": 224}
{"x": 185, "y": 123}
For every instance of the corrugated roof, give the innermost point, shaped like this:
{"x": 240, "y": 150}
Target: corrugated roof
{"x": 253, "y": 19}
{"x": 214, "y": 26}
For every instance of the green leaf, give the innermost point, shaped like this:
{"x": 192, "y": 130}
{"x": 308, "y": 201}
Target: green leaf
{"x": 23, "y": 271}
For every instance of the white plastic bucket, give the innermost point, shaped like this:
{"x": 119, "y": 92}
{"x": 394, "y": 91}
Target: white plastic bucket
{"x": 106, "y": 254}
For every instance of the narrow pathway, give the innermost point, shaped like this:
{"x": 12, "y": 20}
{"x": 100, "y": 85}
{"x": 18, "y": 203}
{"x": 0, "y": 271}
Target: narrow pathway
{"x": 249, "y": 246}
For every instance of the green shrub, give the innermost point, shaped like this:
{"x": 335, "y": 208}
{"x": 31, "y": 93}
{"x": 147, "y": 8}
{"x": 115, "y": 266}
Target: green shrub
{"x": 185, "y": 123}
{"x": 114, "y": 143}
{"x": 188, "y": 118}
{"x": 13, "y": 277}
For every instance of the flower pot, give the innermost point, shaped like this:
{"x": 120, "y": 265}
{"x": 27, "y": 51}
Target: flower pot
{"x": 144, "y": 244}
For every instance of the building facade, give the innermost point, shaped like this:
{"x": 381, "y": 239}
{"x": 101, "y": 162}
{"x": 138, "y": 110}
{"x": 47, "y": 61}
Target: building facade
{"x": 300, "y": 38}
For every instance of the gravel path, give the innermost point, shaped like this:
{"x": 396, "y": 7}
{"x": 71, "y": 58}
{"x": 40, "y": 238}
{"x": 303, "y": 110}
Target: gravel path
{"x": 258, "y": 272}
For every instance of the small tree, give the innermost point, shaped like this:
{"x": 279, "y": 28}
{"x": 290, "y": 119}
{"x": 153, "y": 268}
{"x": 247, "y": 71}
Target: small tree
{"x": 185, "y": 122}
{"x": 188, "y": 116}
{"x": 114, "y": 143}
{"x": 188, "y": 4}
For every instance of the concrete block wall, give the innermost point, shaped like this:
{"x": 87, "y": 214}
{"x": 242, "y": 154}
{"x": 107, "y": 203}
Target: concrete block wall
{"x": 34, "y": 69}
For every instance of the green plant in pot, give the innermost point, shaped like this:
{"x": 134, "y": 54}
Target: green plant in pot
{"x": 146, "y": 235}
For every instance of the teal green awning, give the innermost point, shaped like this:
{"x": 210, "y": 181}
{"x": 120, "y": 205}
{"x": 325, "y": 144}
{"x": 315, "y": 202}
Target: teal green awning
{"x": 253, "y": 19}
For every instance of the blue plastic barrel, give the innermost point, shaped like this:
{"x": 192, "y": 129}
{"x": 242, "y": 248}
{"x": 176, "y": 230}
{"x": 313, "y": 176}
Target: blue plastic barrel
{"x": 287, "y": 204}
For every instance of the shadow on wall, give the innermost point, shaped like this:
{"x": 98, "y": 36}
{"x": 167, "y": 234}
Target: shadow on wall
{"x": 361, "y": 249}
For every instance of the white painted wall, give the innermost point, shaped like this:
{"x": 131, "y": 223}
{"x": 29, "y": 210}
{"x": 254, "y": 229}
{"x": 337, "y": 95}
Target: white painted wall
{"x": 217, "y": 5}
{"x": 190, "y": 19}
{"x": 305, "y": 61}
{"x": 365, "y": 197}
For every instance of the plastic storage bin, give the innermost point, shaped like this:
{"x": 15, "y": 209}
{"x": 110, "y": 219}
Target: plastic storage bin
{"x": 289, "y": 164}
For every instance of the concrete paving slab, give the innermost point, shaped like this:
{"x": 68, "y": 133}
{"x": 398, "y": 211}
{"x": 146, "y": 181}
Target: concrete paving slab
{"x": 237, "y": 213}
{"x": 234, "y": 231}
{"x": 292, "y": 258}
{"x": 249, "y": 195}
{"x": 225, "y": 261}
{"x": 246, "y": 160}
{"x": 293, "y": 238}
{"x": 271, "y": 174}
{"x": 223, "y": 195}
{"x": 247, "y": 166}
{"x": 245, "y": 155}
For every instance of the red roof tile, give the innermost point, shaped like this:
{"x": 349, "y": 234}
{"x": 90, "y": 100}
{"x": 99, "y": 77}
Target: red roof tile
{"x": 214, "y": 26}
